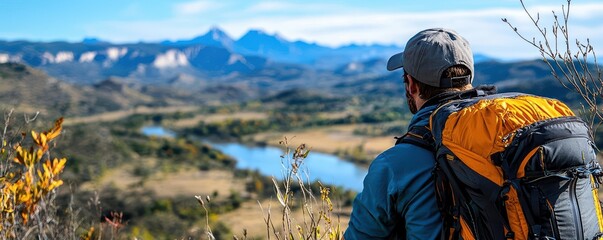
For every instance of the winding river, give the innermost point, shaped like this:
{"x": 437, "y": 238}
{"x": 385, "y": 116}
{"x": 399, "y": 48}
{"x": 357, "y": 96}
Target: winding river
{"x": 327, "y": 168}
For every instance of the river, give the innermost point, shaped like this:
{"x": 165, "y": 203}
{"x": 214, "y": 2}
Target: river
{"x": 327, "y": 168}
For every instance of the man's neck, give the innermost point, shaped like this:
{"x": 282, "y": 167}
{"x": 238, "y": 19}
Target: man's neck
{"x": 451, "y": 95}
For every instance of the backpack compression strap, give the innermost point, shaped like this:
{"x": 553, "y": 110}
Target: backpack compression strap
{"x": 419, "y": 136}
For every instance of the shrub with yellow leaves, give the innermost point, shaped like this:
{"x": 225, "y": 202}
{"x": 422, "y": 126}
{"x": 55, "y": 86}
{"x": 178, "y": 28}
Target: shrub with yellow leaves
{"x": 29, "y": 177}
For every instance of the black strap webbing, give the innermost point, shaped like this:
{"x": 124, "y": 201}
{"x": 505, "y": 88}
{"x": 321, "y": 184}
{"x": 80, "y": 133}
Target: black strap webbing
{"x": 419, "y": 136}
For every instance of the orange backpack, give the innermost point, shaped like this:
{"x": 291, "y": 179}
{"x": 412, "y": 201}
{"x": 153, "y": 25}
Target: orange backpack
{"x": 513, "y": 166}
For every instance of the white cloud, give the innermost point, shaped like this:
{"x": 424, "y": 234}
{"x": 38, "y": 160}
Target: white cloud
{"x": 289, "y": 7}
{"x": 194, "y": 7}
{"x": 340, "y": 25}
{"x": 484, "y": 27}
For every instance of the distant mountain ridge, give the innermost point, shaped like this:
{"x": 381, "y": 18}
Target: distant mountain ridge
{"x": 213, "y": 56}
{"x": 89, "y": 63}
{"x": 275, "y": 47}
{"x": 215, "y": 37}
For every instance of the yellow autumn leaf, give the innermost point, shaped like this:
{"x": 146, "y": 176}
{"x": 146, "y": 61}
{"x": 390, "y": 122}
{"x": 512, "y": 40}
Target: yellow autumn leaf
{"x": 23, "y": 198}
{"x": 37, "y": 194}
{"x": 34, "y": 136}
{"x": 40, "y": 139}
{"x": 58, "y": 165}
{"x": 47, "y": 167}
{"x": 56, "y": 130}
{"x": 39, "y": 154}
{"x": 55, "y": 184}
{"x": 43, "y": 139}
{"x": 19, "y": 158}
{"x": 13, "y": 188}
{"x": 28, "y": 179}
{"x": 40, "y": 173}
{"x": 25, "y": 217}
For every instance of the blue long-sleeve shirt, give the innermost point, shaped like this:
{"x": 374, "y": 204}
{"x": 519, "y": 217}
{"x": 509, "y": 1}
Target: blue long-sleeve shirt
{"x": 398, "y": 199}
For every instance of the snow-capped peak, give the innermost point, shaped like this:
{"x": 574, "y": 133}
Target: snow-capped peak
{"x": 171, "y": 58}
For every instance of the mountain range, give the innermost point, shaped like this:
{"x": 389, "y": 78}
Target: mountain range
{"x": 277, "y": 48}
{"x": 213, "y": 56}
{"x": 216, "y": 67}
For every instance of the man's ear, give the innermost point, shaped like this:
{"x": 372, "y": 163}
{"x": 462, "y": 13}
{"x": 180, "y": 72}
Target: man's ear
{"x": 412, "y": 88}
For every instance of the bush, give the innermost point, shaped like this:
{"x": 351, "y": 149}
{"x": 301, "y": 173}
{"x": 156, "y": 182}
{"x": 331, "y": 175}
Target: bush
{"x": 28, "y": 180}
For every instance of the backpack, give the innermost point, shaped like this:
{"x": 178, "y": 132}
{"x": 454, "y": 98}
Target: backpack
{"x": 512, "y": 166}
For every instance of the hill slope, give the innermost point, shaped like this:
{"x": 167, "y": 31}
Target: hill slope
{"x": 30, "y": 90}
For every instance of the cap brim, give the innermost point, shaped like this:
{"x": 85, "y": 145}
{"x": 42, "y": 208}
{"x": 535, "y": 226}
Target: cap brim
{"x": 395, "y": 62}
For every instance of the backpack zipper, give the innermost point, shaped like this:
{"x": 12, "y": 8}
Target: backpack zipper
{"x": 474, "y": 220}
{"x": 553, "y": 219}
{"x": 575, "y": 208}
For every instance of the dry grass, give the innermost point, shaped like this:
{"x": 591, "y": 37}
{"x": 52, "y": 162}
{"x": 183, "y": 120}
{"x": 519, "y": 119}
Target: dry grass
{"x": 249, "y": 217}
{"x": 182, "y": 183}
{"x": 117, "y": 115}
{"x": 336, "y": 115}
{"x": 191, "y": 182}
{"x": 330, "y": 139}
{"x": 182, "y": 123}
{"x": 191, "y": 122}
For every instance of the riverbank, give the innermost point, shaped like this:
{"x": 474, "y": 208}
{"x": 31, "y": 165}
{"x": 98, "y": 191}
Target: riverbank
{"x": 336, "y": 140}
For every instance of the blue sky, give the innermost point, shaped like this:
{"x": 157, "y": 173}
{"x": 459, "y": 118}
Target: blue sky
{"x": 327, "y": 22}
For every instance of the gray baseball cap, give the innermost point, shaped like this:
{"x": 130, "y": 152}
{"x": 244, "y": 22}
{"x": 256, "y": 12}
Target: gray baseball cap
{"x": 430, "y": 52}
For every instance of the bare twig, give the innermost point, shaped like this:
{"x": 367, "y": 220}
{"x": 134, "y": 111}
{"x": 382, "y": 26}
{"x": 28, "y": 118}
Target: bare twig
{"x": 30, "y": 119}
{"x": 574, "y": 71}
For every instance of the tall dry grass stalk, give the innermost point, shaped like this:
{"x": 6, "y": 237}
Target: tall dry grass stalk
{"x": 210, "y": 234}
{"x": 294, "y": 192}
{"x": 318, "y": 220}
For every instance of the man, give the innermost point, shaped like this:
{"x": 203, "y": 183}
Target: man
{"x": 399, "y": 200}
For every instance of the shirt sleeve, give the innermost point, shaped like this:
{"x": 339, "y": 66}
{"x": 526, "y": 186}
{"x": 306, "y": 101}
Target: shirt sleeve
{"x": 372, "y": 216}
{"x": 398, "y": 198}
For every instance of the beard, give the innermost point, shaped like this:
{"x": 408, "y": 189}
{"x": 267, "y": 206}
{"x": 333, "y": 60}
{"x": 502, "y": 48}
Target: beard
{"x": 412, "y": 106}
